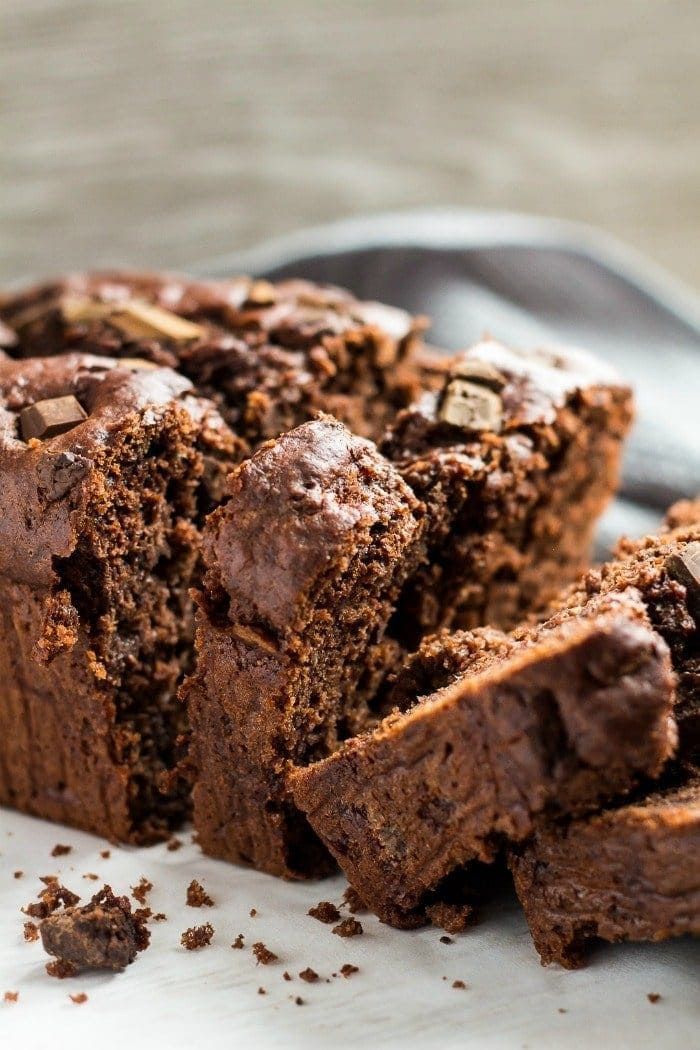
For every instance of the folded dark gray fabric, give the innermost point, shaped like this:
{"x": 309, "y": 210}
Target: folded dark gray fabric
{"x": 525, "y": 281}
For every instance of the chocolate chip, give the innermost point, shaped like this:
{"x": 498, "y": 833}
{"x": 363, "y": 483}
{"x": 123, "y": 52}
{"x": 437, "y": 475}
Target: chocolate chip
{"x": 47, "y": 419}
{"x": 479, "y": 372}
{"x": 136, "y": 363}
{"x": 261, "y": 293}
{"x": 471, "y": 407}
{"x": 133, "y": 318}
{"x": 138, "y": 320}
{"x": 684, "y": 566}
{"x": 8, "y": 337}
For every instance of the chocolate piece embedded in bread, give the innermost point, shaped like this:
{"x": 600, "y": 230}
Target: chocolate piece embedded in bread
{"x": 515, "y": 458}
{"x": 99, "y": 533}
{"x": 270, "y": 356}
{"x": 496, "y": 732}
{"x": 630, "y": 873}
{"x": 304, "y": 565}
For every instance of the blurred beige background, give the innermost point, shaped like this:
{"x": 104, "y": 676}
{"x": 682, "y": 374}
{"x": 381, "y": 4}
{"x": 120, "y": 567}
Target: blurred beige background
{"x": 165, "y": 131}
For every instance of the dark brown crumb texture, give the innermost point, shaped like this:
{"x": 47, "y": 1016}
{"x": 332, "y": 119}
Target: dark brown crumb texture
{"x": 95, "y": 616}
{"x": 513, "y": 491}
{"x": 490, "y": 733}
{"x": 304, "y": 565}
{"x": 629, "y": 873}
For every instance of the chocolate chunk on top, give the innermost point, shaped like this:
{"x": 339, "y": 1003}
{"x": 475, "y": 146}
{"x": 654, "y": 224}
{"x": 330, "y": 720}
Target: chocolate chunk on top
{"x": 471, "y": 406}
{"x": 481, "y": 373}
{"x": 684, "y": 566}
{"x": 51, "y": 417}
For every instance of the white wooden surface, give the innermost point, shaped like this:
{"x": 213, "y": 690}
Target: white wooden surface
{"x": 166, "y": 131}
{"x": 170, "y": 998}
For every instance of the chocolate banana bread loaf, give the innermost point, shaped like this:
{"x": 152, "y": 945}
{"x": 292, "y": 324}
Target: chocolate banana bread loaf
{"x": 106, "y": 469}
{"x": 305, "y": 562}
{"x": 630, "y": 873}
{"x": 491, "y": 733}
{"x": 270, "y": 356}
{"x": 515, "y": 458}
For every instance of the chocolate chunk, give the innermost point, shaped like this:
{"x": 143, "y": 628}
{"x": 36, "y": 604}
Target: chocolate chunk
{"x": 479, "y": 372}
{"x": 7, "y": 336}
{"x": 137, "y": 364}
{"x": 137, "y": 320}
{"x": 261, "y": 293}
{"x": 134, "y": 319}
{"x": 684, "y": 566}
{"x": 471, "y": 406}
{"x": 47, "y": 419}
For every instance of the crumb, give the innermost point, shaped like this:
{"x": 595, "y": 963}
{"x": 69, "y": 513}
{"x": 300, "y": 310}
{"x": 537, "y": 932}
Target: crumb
{"x": 453, "y": 918}
{"x": 263, "y": 954}
{"x": 261, "y": 991}
{"x": 324, "y": 911}
{"x": 61, "y": 968}
{"x": 104, "y": 934}
{"x": 197, "y": 937}
{"x": 299, "y": 1001}
{"x": 160, "y": 916}
{"x": 446, "y": 940}
{"x": 348, "y": 928}
{"x": 139, "y": 891}
{"x": 19, "y": 874}
{"x": 10, "y": 997}
{"x": 105, "y": 854}
{"x": 253, "y": 913}
{"x": 31, "y": 932}
{"x": 347, "y": 969}
{"x": 79, "y": 998}
{"x": 353, "y": 901}
{"x": 653, "y": 997}
{"x": 562, "y": 1010}
{"x": 173, "y": 844}
{"x": 239, "y": 942}
{"x": 50, "y": 898}
{"x": 197, "y": 896}
{"x": 309, "y": 975}
{"x": 143, "y": 914}
{"x": 60, "y": 850}
{"x": 287, "y": 975}
{"x": 91, "y": 875}
{"x": 458, "y": 984}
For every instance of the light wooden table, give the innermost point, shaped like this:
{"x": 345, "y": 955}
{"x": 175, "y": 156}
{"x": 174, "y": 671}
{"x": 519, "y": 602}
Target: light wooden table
{"x": 162, "y": 132}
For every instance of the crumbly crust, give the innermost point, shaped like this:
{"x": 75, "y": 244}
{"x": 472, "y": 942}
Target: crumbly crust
{"x": 269, "y": 356}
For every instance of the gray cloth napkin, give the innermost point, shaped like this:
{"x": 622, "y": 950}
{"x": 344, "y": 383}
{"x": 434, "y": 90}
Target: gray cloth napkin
{"x": 525, "y": 281}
